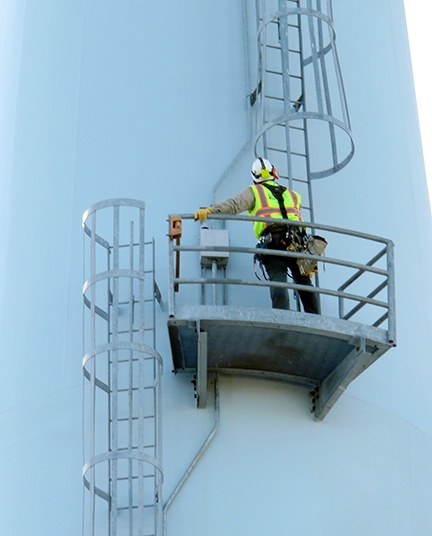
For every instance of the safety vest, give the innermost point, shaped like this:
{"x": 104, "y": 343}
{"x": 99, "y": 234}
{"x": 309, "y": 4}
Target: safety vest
{"x": 266, "y": 205}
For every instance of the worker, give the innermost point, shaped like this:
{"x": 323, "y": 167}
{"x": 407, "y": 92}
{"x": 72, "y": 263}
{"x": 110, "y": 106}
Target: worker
{"x": 261, "y": 199}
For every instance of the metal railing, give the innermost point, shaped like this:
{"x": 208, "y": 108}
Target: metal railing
{"x": 356, "y": 274}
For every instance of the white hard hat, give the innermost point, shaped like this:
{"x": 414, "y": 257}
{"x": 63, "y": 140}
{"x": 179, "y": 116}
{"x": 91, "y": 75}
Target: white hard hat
{"x": 262, "y": 170}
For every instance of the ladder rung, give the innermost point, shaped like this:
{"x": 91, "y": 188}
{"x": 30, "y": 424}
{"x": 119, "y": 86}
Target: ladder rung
{"x": 292, "y": 153}
{"x": 302, "y": 181}
{"x": 290, "y": 126}
{"x": 277, "y": 47}
{"x": 125, "y": 419}
{"x": 125, "y": 331}
{"x": 134, "y": 389}
{"x": 284, "y": 151}
{"x": 273, "y": 97}
{"x": 277, "y": 150}
{"x": 274, "y": 47}
{"x": 134, "y": 360}
{"x": 134, "y": 449}
{"x": 135, "y": 508}
{"x": 270, "y": 71}
{"x": 133, "y": 477}
{"x": 294, "y": 127}
{"x": 278, "y": 73}
{"x": 282, "y": 125}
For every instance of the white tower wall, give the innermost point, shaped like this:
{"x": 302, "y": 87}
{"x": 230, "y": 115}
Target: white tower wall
{"x": 148, "y": 100}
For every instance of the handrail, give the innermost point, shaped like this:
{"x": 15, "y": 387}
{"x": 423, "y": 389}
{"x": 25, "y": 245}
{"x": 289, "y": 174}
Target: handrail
{"x": 291, "y": 223}
{"x": 372, "y": 279}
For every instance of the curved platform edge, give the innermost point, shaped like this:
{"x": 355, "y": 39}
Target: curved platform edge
{"x": 318, "y": 352}
{"x": 281, "y": 319}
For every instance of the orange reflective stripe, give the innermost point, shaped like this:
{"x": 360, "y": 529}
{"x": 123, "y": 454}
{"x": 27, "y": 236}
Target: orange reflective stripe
{"x": 294, "y": 198}
{"x": 272, "y": 211}
{"x": 262, "y": 195}
{"x": 268, "y": 211}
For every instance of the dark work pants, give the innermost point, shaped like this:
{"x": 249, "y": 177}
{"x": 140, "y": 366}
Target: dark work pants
{"x": 276, "y": 268}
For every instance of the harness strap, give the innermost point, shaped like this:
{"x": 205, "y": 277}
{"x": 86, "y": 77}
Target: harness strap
{"x": 278, "y": 191}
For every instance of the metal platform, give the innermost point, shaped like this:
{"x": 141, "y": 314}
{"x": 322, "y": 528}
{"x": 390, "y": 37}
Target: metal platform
{"x": 321, "y": 353}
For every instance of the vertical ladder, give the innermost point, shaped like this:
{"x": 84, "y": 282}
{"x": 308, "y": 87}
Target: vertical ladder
{"x": 302, "y": 122}
{"x": 122, "y": 372}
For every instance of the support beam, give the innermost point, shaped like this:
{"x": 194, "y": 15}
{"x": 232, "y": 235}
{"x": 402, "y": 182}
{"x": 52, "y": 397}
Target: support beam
{"x": 337, "y": 381}
{"x": 201, "y": 386}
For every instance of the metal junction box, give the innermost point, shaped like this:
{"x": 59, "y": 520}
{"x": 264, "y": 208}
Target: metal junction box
{"x": 217, "y": 238}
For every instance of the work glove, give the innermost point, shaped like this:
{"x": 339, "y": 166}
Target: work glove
{"x": 202, "y": 213}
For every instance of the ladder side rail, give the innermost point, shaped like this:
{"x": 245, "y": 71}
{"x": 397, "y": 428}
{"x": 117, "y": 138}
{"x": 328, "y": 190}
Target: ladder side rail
{"x": 304, "y": 121}
{"x": 93, "y": 375}
{"x": 286, "y": 89}
{"x": 114, "y": 378}
{"x": 130, "y": 417}
{"x": 314, "y": 58}
{"x": 263, "y": 56}
{"x": 341, "y": 87}
{"x": 325, "y": 80}
{"x": 141, "y": 370}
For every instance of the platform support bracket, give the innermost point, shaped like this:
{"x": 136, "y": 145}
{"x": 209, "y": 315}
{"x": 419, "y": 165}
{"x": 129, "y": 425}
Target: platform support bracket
{"x": 331, "y": 388}
{"x": 201, "y": 377}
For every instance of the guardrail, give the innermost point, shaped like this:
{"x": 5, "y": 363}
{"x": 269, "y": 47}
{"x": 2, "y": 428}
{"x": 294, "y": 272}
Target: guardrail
{"x": 357, "y": 283}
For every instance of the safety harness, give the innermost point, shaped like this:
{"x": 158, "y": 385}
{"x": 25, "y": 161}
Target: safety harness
{"x": 289, "y": 238}
{"x": 278, "y": 191}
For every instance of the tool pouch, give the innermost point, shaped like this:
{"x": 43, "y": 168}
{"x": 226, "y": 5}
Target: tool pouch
{"x": 315, "y": 245}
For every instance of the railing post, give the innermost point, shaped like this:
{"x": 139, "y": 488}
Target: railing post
{"x": 171, "y": 293}
{"x": 391, "y": 293}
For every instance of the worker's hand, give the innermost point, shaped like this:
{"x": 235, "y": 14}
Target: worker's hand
{"x": 202, "y": 213}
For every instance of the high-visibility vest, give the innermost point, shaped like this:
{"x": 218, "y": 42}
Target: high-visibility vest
{"x": 267, "y": 205}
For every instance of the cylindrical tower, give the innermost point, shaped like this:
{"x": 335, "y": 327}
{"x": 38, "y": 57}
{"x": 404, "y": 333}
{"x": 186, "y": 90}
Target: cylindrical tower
{"x": 152, "y": 101}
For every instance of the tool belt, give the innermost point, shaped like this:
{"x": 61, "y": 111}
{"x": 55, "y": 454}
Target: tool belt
{"x": 297, "y": 240}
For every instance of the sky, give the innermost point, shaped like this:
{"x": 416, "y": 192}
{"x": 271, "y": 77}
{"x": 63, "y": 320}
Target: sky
{"x": 418, "y": 15}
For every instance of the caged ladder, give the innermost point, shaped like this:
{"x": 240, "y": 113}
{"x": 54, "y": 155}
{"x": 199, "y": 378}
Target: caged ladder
{"x": 122, "y": 372}
{"x": 302, "y": 122}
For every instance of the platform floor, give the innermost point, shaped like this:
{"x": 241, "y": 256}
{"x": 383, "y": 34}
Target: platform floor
{"x": 321, "y": 353}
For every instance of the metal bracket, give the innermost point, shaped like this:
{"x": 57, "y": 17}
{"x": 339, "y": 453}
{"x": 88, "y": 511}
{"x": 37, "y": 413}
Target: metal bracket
{"x": 332, "y": 387}
{"x": 201, "y": 379}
